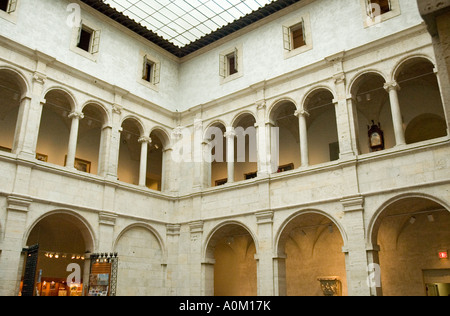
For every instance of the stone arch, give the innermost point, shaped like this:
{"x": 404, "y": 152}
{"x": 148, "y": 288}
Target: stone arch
{"x": 231, "y": 247}
{"x": 302, "y": 243}
{"x": 13, "y": 89}
{"x": 321, "y": 124}
{"x": 65, "y": 239}
{"x": 141, "y": 253}
{"x": 371, "y": 104}
{"x": 420, "y": 98}
{"x": 408, "y": 231}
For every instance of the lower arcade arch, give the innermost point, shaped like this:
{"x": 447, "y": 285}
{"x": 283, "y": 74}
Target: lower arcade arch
{"x": 64, "y": 239}
{"x": 141, "y": 254}
{"x": 231, "y": 249}
{"x": 310, "y": 244}
{"x": 411, "y": 232}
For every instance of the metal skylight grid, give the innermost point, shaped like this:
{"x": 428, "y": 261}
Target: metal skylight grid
{"x": 184, "y": 21}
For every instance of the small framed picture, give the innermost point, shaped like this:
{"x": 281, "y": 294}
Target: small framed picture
{"x": 82, "y": 165}
{"x": 41, "y": 157}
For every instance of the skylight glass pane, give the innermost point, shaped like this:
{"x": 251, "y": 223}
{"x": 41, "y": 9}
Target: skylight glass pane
{"x": 199, "y": 17}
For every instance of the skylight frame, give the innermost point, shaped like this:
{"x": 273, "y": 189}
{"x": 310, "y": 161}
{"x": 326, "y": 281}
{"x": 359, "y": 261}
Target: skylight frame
{"x": 182, "y": 22}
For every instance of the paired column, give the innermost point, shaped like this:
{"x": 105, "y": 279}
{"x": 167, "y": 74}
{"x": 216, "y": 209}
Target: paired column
{"x": 144, "y": 141}
{"x": 304, "y": 155}
{"x": 392, "y": 88}
{"x": 230, "y": 136}
{"x": 76, "y": 117}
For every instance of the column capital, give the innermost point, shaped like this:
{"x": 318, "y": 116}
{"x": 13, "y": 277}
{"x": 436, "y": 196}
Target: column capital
{"x": 107, "y": 218}
{"x": 393, "y": 85}
{"x": 76, "y": 114}
{"x": 230, "y": 133}
{"x": 144, "y": 139}
{"x": 301, "y": 112}
{"x": 264, "y": 217}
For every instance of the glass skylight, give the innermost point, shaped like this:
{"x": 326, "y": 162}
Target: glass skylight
{"x": 184, "y": 21}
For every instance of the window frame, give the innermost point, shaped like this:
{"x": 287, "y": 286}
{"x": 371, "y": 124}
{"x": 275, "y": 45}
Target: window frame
{"x": 371, "y": 20}
{"x": 10, "y": 14}
{"x": 288, "y": 29}
{"x": 154, "y": 78}
{"x": 94, "y": 43}
{"x": 228, "y": 72}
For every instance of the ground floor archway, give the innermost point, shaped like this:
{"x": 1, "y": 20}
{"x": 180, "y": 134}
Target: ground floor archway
{"x": 234, "y": 273}
{"x": 64, "y": 241}
{"x": 411, "y": 232}
{"x": 311, "y": 244}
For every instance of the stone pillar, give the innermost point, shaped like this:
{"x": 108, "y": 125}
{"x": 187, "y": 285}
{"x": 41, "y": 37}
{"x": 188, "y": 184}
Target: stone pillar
{"x": 279, "y": 267}
{"x": 355, "y": 253}
{"x": 199, "y": 274}
{"x": 29, "y": 119}
{"x": 104, "y": 150}
{"x": 265, "y": 272}
{"x": 11, "y": 259}
{"x": 272, "y": 147}
{"x": 392, "y": 88}
{"x": 262, "y": 140}
{"x": 144, "y": 141}
{"x": 303, "y": 137}
{"x": 173, "y": 275}
{"x": 73, "y": 138}
{"x": 107, "y": 222}
{"x": 343, "y": 121}
{"x": 230, "y": 136}
{"x": 198, "y": 160}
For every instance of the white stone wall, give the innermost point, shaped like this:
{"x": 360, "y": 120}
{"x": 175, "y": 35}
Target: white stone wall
{"x": 179, "y": 223}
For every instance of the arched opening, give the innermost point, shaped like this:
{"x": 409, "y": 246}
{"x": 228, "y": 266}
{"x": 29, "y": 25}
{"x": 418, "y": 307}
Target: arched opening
{"x": 218, "y": 153}
{"x": 323, "y": 141}
{"x": 245, "y": 155}
{"x": 90, "y": 139}
{"x": 155, "y": 161}
{"x": 420, "y": 101}
{"x": 54, "y": 129}
{"x": 312, "y": 245}
{"x": 372, "y": 104}
{"x": 63, "y": 239}
{"x": 287, "y": 153}
{"x": 411, "y": 232}
{"x": 129, "y": 152}
{"x": 233, "y": 250}
{"x": 140, "y": 269}
{"x": 10, "y": 97}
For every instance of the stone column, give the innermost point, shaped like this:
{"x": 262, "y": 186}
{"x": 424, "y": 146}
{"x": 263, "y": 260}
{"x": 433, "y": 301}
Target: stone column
{"x": 265, "y": 271}
{"x": 198, "y": 160}
{"x": 29, "y": 119}
{"x": 343, "y": 118}
{"x": 144, "y": 141}
{"x": 272, "y": 147}
{"x": 392, "y": 88}
{"x": 230, "y": 136}
{"x": 302, "y": 114}
{"x": 73, "y": 138}
{"x": 262, "y": 140}
{"x": 112, "y": 162}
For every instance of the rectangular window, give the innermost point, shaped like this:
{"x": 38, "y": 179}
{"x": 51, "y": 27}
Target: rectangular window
{"x": 378, "y": 7}
{"x": 88, "y": 39}
{"x": 150, "y": 71}
{"x": 9, "y": 6}
{"x": 294, "y": 36}
{"x": 229, "y": 64}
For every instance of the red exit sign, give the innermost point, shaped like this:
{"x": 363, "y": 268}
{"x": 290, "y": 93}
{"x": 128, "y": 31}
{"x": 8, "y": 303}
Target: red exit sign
{"x": 443, "y": 255}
